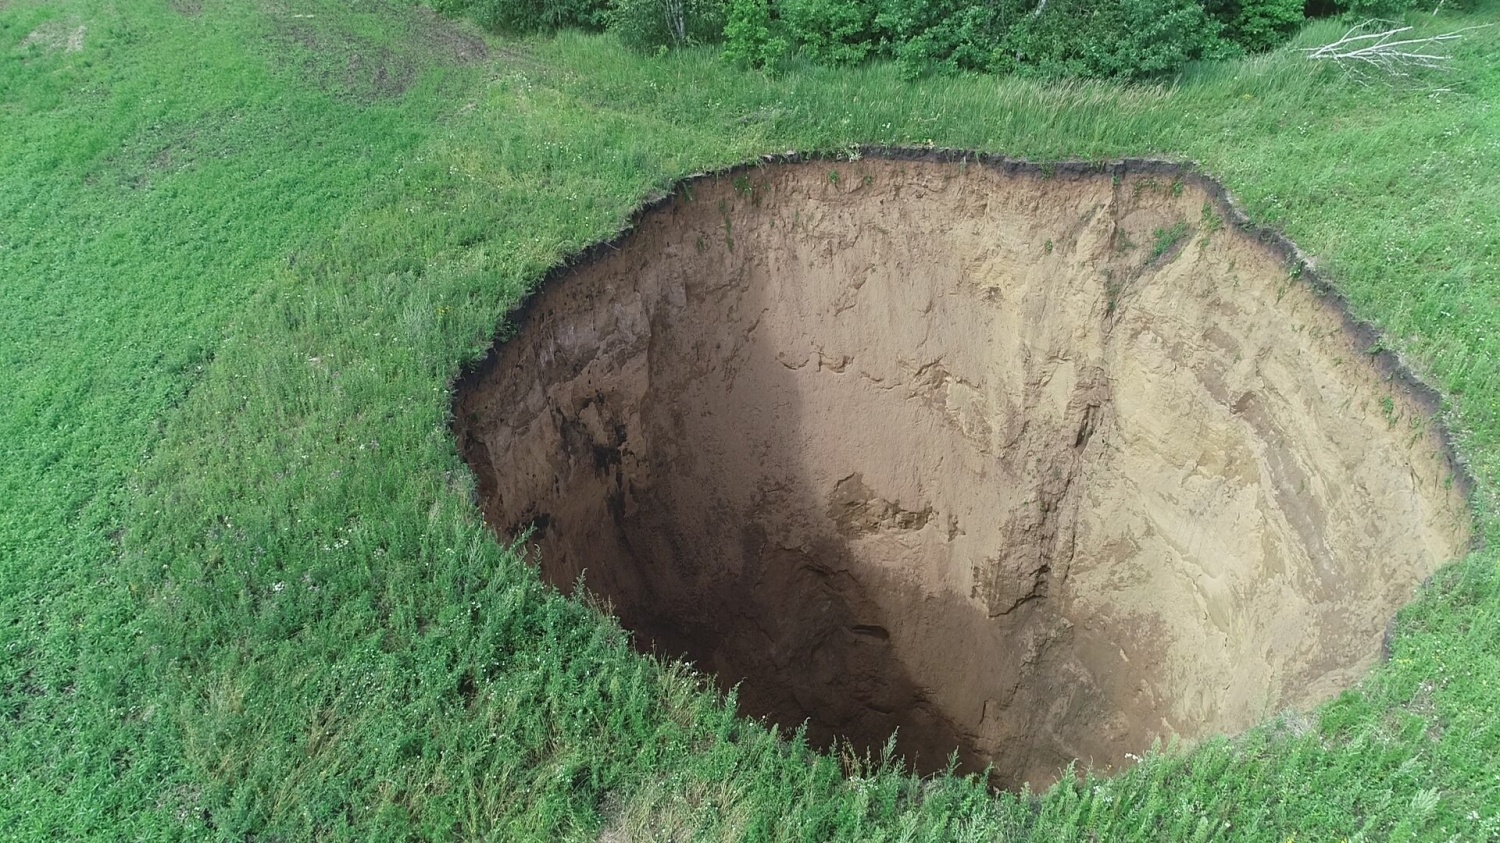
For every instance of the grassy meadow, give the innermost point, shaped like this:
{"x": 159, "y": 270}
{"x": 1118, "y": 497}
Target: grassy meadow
{"x": 244, "y": 592}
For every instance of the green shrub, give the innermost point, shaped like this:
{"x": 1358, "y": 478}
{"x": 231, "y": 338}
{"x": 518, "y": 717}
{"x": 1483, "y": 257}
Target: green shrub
{"x": 522, "y": 17}
{"x": 654, "y": 24}
{"x": 951, "y": 35}
{"x": 1091, "y": 38}
{"x": 835, "y": 32}
{"x": 1369, "y": 8}
{"x": 749, "y": 36}
{"x": 1383, "y": 8}
{"x": 1108, "y": 38}
{"x": 1256, "y": 25}
{"x": 1100, "y": 38}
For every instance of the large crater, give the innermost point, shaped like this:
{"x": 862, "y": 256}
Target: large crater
{"x": 1031, "y": 465}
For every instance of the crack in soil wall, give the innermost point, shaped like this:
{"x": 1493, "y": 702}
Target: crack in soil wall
{"x": 948, "y": 448}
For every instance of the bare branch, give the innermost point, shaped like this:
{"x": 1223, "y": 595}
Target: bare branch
{"x": 1370, "y": 46}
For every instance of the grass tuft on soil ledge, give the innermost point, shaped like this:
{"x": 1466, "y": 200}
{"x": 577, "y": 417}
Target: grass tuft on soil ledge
{"x": 245, "y": 590}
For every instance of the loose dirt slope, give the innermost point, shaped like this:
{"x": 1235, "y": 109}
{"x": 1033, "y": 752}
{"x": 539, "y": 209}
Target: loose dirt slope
{"x": 1037, "y": 468}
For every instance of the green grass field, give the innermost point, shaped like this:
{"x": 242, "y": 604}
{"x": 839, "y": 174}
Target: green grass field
{"x": 244, "y": 248}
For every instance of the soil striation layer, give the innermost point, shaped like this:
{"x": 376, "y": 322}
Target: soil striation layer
{"x": 1034, "y": 466}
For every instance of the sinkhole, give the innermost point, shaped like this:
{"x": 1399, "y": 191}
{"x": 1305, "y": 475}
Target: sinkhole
{"x": 1030, "y": 464}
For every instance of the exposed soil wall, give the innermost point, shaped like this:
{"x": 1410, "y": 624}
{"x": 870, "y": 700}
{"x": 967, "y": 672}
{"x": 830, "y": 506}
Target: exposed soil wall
{"x": 1037, "y": 467}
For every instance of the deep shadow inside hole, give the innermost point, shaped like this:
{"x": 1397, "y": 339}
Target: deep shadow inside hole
{"x": 947, "y": 451}
{"x": 797, "y": 632}
{"x": 684, "y": 507}
{"x": 733, "y": 564}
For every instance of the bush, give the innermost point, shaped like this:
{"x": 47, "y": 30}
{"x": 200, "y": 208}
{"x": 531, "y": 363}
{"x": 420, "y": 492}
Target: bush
{"x": 1382, "y": 8}
{"x": 949, "y": 34}
{"x": 1256, "y": 25}
{"x": 1092, "y": 38}
{"x": 522, "y": 17}
{"x": 654, "y": 24}
{"x": 1111, "y": 38}
{"x": 1100, "y": 38}
{"x": 749, "y": 37}
{"x": 835, "y": 32}
{"x": 1368, "y": 8}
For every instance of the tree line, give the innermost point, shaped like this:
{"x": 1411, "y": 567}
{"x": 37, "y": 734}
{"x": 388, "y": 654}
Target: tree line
{"x": 1130, "y": 39}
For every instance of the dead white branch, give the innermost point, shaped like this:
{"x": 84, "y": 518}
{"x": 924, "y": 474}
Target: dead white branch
{"x": 1375, "y": 45}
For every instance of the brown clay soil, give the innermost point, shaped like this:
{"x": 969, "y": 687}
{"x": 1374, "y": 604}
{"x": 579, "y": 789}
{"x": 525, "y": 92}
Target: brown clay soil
{"x": 1032, "y": 466}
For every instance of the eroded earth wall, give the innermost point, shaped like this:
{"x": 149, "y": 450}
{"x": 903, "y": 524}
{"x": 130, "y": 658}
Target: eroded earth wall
{"x": 1034, "y": 468}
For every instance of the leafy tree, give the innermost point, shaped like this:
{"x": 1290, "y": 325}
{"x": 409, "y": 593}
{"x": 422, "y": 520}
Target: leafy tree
{"x": 654, "y": 24}
{"x": 1121, "y": 39}
{"x": 522, "y": 17}
{"x": 832, "y": 31}
{"x": 1089, "y": 38}
{"x": 749, "y": 36}
{"x": 1256, "y": 25}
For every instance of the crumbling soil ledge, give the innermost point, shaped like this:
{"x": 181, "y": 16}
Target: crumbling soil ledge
{"x": 1031, "y": 462}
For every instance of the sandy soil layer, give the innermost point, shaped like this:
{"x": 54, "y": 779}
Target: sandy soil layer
{"x": 1034, "y": 467}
